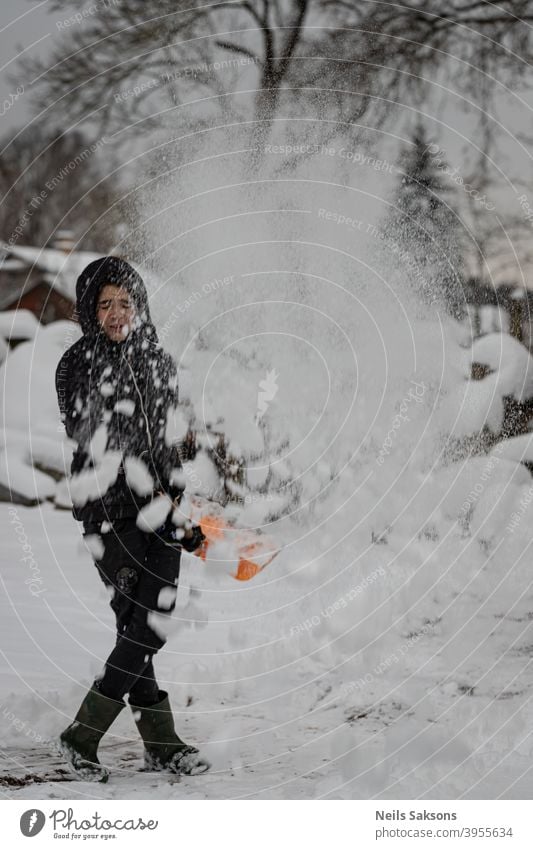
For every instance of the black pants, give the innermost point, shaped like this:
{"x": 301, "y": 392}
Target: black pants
{"x": 140, "y": 571}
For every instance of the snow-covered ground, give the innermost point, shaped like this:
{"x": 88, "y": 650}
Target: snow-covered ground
{"x": 397, "y": 669}
{"x": 386, "y": 651}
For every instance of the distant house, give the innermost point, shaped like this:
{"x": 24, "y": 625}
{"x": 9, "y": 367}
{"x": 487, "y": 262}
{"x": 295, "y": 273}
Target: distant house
{"x": 506, "y": 308}
{"x": 42, "y": 280}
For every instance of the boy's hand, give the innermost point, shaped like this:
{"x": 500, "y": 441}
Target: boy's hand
{"x": 192, "y": 538}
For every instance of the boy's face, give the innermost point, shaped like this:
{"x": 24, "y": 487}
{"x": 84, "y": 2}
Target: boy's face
{"x": 115, "y": 312}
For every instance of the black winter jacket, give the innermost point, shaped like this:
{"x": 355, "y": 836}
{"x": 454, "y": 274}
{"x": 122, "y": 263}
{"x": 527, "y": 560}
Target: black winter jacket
{"x": 114, "y": 399}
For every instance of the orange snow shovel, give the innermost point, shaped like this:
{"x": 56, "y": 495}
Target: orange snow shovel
{"x": 254, "y": 551}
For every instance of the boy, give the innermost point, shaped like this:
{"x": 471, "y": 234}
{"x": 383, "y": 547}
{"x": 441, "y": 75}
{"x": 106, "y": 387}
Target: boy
{"x": 116, "y": 388}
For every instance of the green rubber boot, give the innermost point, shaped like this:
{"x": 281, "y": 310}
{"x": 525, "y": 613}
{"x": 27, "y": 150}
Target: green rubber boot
{"x": 163, "y": 749}
{"x": 79, "y": 742}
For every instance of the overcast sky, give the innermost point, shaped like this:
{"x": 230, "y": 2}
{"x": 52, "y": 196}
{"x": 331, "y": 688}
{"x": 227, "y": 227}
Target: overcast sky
{"x": 29, "y": 28}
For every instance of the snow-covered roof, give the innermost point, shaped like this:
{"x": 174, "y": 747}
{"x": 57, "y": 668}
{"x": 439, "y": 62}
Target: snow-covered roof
{"x": 59, "y": 269}
{"x": 11, "y": 264}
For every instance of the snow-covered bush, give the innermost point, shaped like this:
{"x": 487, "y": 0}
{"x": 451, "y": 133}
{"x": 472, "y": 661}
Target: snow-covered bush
{"x": 34, "y": 452}
{"x": 495, "y": 398}
{"x": 15, "y": 325}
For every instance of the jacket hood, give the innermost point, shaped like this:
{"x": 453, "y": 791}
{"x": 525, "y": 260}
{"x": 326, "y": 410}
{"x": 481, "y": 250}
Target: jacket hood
{"x": 118, "y": 272}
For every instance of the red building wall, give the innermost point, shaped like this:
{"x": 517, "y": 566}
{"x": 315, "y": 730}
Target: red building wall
{"x": 45, "y": 303}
